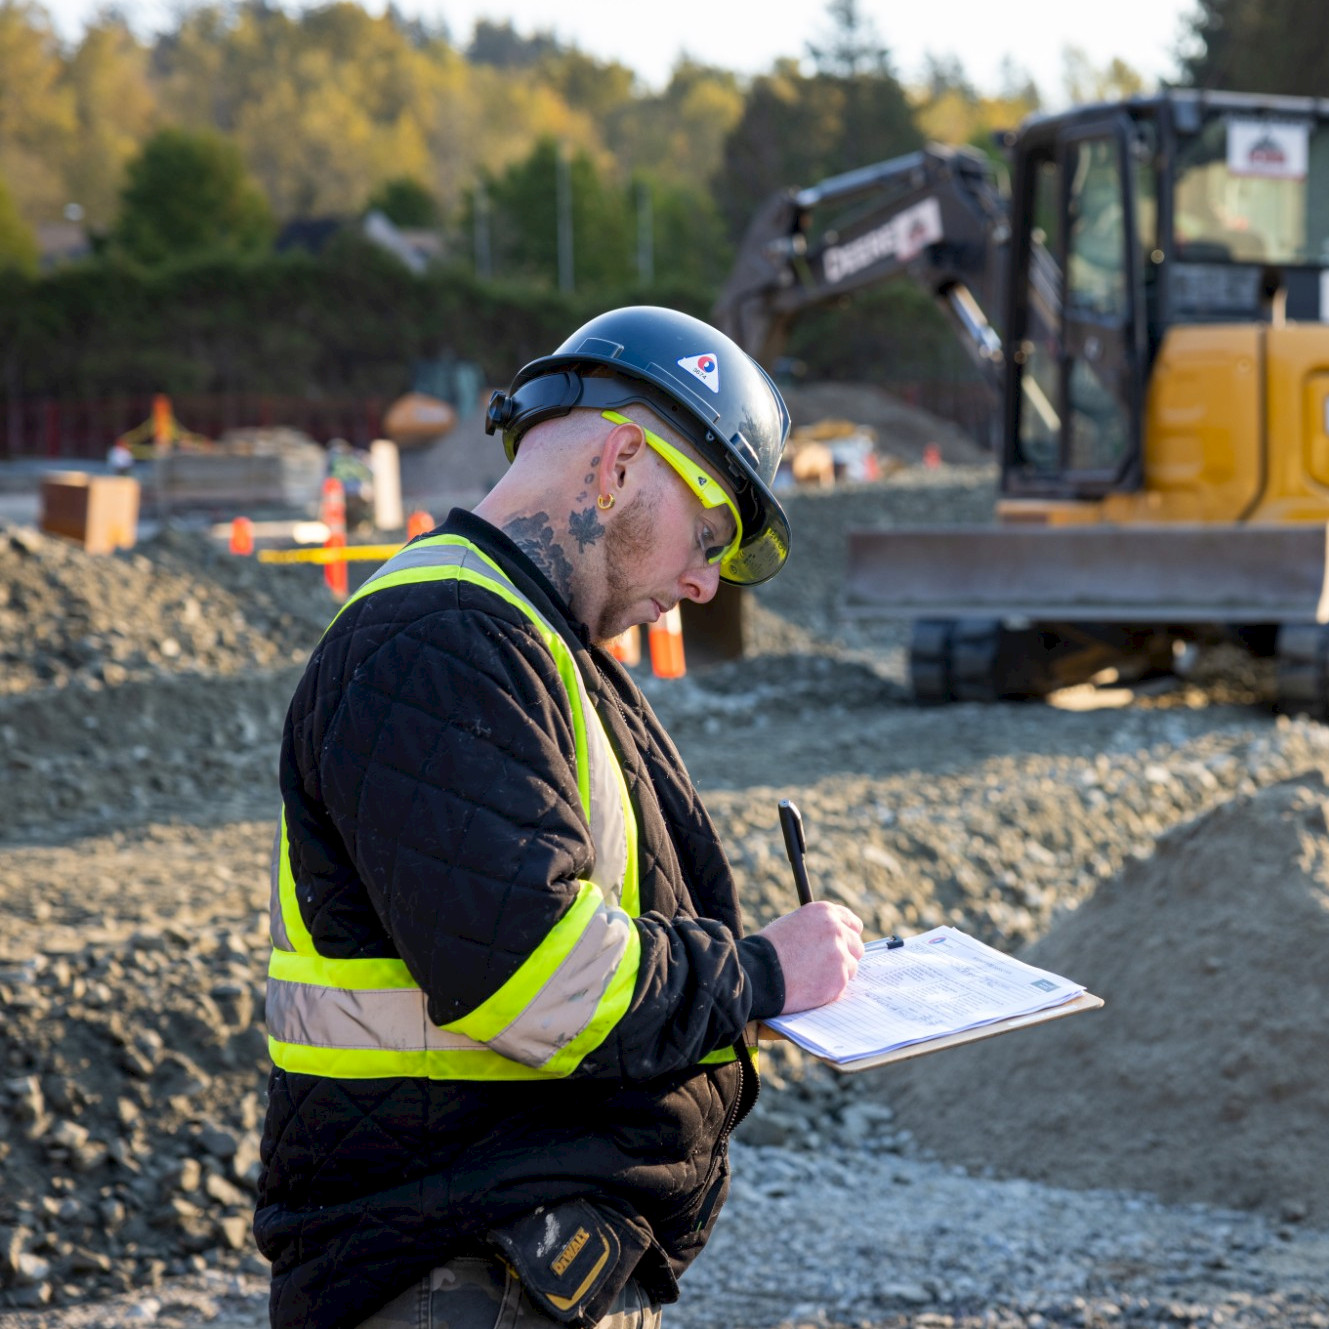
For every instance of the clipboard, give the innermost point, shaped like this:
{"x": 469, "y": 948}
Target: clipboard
{"x": 1086, "y": 1001}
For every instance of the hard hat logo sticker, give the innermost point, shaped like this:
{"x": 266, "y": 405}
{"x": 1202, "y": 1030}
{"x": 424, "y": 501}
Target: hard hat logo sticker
{"x": 704, "y": 367}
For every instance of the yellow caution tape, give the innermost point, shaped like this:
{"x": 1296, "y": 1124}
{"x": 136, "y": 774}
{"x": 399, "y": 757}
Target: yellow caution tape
{"x": 339, "y": 554}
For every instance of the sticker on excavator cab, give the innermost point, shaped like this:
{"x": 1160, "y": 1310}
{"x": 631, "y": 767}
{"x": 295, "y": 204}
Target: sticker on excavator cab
{"x": 704, "y": 367}
{"x": 1270, "y": 149}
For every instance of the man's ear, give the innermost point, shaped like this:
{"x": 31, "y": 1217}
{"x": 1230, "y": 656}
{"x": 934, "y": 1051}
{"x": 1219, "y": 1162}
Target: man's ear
{"x": 621, "y": 451}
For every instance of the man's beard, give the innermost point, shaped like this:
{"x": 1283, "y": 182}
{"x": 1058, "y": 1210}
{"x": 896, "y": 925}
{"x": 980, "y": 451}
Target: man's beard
{"x": 628, "y": 546}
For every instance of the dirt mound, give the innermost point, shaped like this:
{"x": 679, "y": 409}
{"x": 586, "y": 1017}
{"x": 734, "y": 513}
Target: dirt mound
{"x": 458, "y": 470}
{"x": 176, "y": 604}
{"x": 1205, "y": 1077}
{"x": 904, "y": 431}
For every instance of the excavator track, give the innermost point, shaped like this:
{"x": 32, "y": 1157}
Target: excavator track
{"x": 982, "y": 659}
{"x": 1302, "y": 656}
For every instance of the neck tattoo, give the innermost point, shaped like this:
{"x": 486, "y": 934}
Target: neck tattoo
{"x": 534, "y": 536}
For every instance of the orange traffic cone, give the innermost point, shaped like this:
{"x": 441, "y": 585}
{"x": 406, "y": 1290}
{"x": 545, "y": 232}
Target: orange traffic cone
{"x": 335, "y": 573}
{"x": 626, "y": 647}
{"x": 418, "y": 523}
{"x": 666, "y": 636}
{"x": 242, "y": 536}
{"x": 333, "y": 511}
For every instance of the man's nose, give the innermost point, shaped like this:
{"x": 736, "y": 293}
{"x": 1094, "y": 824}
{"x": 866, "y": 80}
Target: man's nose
{"x": 701, "y": 584}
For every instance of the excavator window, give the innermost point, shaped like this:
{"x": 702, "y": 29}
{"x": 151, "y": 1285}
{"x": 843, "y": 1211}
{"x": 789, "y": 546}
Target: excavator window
{"x": 1096, "y": 297}
{"x": 1253, "y": 189}
{"x": 1040, "y": 352}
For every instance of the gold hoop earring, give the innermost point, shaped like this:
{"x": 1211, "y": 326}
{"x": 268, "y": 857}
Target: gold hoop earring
{"x": 605, "y": 502}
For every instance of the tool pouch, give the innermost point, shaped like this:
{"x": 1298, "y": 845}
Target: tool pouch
{"x": 573, "y": 1257}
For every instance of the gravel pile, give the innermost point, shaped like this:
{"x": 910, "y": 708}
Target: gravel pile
{"x": 135, "y": 824}
{"x": 131, "y": 972}
{"x": 1206, "y": 1076}
{"x": 176, "y": 604}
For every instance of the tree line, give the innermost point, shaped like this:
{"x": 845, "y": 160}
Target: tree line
{"x": 184, "y": 155}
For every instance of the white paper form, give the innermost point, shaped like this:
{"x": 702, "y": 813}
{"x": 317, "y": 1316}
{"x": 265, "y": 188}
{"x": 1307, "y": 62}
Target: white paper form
{"x": 939, "y": 982}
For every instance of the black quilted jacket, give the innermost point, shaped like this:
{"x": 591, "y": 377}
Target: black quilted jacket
{"x": 428, "y": 776}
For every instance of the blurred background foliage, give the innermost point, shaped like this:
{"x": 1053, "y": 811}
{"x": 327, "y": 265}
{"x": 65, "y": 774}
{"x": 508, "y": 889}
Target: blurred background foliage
{"x": 183, "y": 156}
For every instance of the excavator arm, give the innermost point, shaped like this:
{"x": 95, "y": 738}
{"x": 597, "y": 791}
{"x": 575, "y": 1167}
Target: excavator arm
{"x": 935, "y": 216}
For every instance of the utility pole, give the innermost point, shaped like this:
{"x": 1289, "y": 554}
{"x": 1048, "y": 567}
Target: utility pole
{"x": 563, "y": 189}
{"x": 645, "y": 234}
{"x": 484, "y": 259}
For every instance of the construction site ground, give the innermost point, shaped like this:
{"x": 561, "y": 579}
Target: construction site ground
{"x": 1160, "y": 1162}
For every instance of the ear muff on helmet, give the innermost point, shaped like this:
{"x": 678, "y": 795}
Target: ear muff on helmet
{"x": 708, "y": 389}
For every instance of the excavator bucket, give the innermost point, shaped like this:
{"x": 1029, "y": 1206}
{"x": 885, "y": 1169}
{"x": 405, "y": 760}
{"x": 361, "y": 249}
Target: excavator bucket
{"x": 1142, "y": 574}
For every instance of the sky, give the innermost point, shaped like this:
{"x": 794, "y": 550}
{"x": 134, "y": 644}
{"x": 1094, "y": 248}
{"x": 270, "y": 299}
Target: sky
{"x": 749, "y": 35}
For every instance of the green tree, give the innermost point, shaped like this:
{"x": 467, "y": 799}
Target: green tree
{"x": 851, "y": 45}
{"x": 796, "y": 130}
{"x": 677, "y": 136}
{"x": 1271, "y": 46}
{"x": 501, "y": 45}
{"x": 404, "y": 201}
{"x": 37, "y": 122}
{"x": 1087, "y": 83}
{"x": 188, "y": 194}
{"x": 116, "y": 109}
{"x": 18, "y": 248}
{"x": 523, "y": 219}
{"x": 688, "y": 235}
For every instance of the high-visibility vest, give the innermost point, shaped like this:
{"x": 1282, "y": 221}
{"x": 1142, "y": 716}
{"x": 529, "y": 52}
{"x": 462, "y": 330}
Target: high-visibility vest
{"x": 368, "y": 1018}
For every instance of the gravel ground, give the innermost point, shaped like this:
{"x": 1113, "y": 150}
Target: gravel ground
{"x": 135, "y": 819}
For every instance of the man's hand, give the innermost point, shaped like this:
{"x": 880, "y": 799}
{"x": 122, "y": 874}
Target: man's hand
{"x": 819, "y": 947}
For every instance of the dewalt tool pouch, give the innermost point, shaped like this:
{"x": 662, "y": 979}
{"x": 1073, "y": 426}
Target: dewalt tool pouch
{"x": 573, "y": 1257}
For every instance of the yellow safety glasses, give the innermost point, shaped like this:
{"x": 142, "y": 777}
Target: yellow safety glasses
{"x": 702, "y": 483}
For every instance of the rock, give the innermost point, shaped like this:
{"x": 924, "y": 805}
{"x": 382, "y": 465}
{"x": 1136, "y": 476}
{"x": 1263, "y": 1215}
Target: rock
{"x": 222, "y": 1144}
{"x": 224, "y": 1192}
{"x": 235, "y": 1231}
{"x": 190, "y": 1176}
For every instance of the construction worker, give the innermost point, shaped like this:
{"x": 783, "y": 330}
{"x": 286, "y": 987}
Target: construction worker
{"x": 509, "y": 992}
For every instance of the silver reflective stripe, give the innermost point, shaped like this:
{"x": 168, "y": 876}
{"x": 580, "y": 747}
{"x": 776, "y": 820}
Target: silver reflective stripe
{"x": 567, "y": 1003}
{"x": 433, "y": 556}
{"x": 276, "y": 918}
{"x": 394, "y": 1019}
{"x": 607, "y": 818}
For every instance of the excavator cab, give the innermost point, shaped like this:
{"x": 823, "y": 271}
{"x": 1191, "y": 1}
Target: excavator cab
{"x": 1177, "y": 214}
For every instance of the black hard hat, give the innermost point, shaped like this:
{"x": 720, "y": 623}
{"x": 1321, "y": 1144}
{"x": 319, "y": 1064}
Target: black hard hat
{"x": 706, "y": 386}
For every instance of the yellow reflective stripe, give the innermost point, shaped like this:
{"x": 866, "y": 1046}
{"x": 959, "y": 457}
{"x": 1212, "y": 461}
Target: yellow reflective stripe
{"x": 350, "y": 975}
{"x": 429, "y": 1064}
{"x": 719, "y": 1057}
{"x": 611, "y": 1009}
{"x": 296, "y": 931}
{"x": 382, "y": 1064}
{"x": 498, "y": 1011}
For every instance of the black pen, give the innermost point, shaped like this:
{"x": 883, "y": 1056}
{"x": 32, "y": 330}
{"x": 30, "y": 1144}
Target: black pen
{"x": 791, "y": 823}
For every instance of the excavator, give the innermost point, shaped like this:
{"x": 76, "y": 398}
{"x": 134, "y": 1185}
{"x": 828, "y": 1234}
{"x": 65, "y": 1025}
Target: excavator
{"x": 1148, "y": 301}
